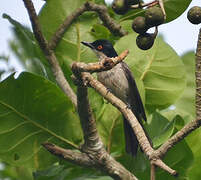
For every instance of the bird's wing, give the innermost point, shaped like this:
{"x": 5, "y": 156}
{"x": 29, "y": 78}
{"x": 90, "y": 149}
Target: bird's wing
{"x": 134, "y": 96}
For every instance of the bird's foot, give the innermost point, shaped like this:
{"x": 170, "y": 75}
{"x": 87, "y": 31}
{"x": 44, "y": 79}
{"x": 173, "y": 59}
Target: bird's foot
{"x": 128, "y": 106}
{"x": 108, "y": 90}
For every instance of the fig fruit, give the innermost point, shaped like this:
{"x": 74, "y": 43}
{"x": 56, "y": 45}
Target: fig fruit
{"x": 145, "y": 41}
{"x": 194, "y": 15}
{"x": 120, "y": 6}
{"x": 139, "y": 25}
{"x": 154, "y": 16}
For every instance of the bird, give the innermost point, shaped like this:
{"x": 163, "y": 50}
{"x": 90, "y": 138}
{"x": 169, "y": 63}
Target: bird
{"x": 120, "y": 81}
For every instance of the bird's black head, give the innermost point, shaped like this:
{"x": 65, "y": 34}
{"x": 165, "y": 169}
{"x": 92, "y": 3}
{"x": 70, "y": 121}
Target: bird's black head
{"x": 102, "y": 46}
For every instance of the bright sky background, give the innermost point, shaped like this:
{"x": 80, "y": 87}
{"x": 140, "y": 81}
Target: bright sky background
{"x": 180, "y": 34}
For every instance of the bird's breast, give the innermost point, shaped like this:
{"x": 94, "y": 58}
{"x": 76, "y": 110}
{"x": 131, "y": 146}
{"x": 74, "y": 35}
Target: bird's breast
{"x": 115, "y": 79}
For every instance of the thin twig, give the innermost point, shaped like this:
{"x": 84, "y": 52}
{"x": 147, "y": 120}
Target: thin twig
{"x": 64, "y": 26}
{"x": 158, "y": 162}
{"x": 72, "y": 156}
{"x": 105, "y": 17}
{"x": 153, "y": 172}
{"x": 88, "y": 6}
{"x": 150, "y": 4}
{"x": 56, "y": 69}
{"x": 161, "y": 4}
{"x": 141, "y": 5}
{"x": 107, "y": 64}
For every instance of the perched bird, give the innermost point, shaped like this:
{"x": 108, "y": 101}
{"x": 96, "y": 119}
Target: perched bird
{"x": 121, "y": 83}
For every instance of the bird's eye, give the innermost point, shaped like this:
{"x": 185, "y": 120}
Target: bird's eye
{"x": 100, "y": 47}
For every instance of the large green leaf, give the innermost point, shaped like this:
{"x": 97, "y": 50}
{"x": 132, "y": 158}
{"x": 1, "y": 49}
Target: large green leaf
{"x": 26, "y": 49}
{"x": 69, "y": 48}
{"x": 173, "y": 8}
{"x": 34, "y": 110}
{"x": 160, "y": 129}
{"x": 160, "y": 69}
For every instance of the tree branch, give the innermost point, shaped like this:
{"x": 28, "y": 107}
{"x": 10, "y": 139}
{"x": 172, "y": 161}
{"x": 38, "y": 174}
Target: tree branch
{"x": 107, "y": 64}
{"x": 56, "y": 69}
{"x": 93, "y": 145}
{"x": 187, "y": 129}
{"x": 63, "y": 27}
{"x": 88, "y": 6}
{"x": 153, "y": 171}
{"x": 105, "y": 17}
{"x": 143, "y": 141}
{"x": 69, "y": 155}
{"x": 92, "y": 142}
{"x": 198, "y": 78}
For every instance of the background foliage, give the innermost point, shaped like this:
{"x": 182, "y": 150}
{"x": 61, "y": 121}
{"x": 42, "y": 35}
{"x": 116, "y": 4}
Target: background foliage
{"x": 33, "y": 109}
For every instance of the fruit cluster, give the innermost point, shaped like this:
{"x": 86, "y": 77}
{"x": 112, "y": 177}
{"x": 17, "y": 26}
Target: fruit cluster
{"x": 154, "y": 17}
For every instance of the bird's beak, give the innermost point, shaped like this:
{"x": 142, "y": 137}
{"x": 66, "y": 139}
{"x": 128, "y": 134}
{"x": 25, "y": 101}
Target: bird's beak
{"x": 88, "y": 44}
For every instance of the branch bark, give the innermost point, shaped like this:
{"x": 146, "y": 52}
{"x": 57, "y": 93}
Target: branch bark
{"x": 105, "y": 17}
{"x": 105, "y": 65}
{"x": 78, "y": 158}
{"x": 93, "y": 145}
{"x": 101, "y": 89}
{"x": 56, "y": 69}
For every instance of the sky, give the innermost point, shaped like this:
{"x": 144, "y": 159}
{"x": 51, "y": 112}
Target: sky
{"x": 180, "y": 34}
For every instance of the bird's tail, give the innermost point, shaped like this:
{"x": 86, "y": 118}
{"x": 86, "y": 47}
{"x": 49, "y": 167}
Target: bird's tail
{"x": 131, "y": 139}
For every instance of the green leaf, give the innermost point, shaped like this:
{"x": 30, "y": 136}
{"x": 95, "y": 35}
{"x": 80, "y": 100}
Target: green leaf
{"x": 26, "y": 49}
{"x": 160, "y": 129}
{"x": 160, "y": 69}
{"x": 186, "y": 103}
{"x": 32, "y": 111}
{"x": 69, "y": 48}
{"x": 100, "y": 32}
{"x": 180, "y": 158}
{"x": 14, "y": 173}
{"x": 51, "y": 172}
{"x": 68, "y": 171}
{"x": 173, "y": 8}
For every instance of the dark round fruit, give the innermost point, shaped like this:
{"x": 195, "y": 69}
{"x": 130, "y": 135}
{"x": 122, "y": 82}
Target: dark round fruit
{"x": 154, "y": 16}
{"x": 120, "y": 6}
{"x": 194, "y": 15}
{"x": 139, "y": 25}
{"x": 145, "y": 41}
